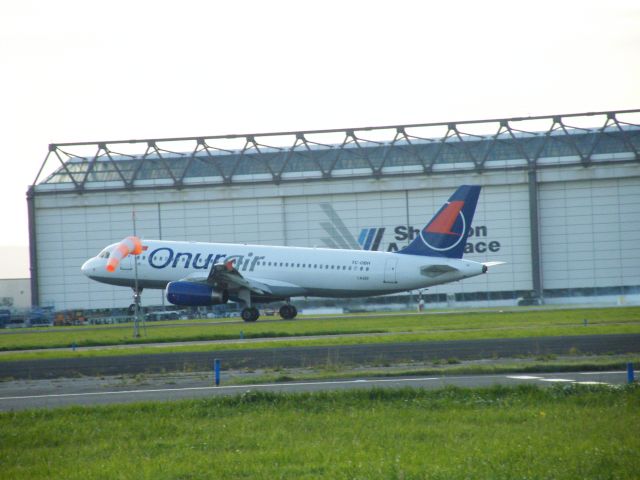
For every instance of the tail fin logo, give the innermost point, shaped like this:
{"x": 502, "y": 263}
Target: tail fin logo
{"x": 447, "y": 229}
{"x": 446, "y": 233}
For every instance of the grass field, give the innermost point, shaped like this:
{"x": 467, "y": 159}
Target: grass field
{"x": 523, "y": 433}
{"x": 381, "y": 329}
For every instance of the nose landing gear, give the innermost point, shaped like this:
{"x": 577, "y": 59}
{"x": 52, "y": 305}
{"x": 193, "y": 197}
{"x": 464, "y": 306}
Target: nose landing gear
{"x": 135, "y": 310}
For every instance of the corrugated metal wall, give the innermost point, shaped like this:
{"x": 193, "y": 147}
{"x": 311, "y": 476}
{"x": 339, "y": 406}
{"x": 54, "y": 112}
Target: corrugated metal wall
{"x": 589, "y": 225}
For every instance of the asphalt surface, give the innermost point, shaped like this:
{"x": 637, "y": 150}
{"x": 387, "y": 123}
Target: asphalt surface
{"x": 293, "y": 357}
{"x": 27, "y": 395}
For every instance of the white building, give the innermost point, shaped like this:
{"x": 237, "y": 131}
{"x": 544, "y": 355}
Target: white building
{"x": 560, "y": 201}
{"x": 15, "y": 293}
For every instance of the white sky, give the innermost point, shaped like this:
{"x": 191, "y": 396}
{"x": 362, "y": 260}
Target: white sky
{"x": 84, "y": 71}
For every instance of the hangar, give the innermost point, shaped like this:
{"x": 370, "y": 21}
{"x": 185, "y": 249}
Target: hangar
{"x": 560, "y": 201}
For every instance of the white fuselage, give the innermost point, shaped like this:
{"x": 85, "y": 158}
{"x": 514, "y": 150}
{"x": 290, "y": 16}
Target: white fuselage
{"x": 288, "y": 271}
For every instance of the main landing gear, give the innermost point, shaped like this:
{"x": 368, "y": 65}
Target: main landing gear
{"x": 251, "y": 314}
{"x": 288, "y": 311}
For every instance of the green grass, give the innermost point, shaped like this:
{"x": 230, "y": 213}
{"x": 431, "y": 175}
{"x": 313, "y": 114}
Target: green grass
{"x": 396, "y": 328}
{"x": 482, "y": 321}
{"x": 498, "y": 433}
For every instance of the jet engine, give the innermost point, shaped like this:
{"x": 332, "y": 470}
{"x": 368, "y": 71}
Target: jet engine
{"x": 194, "y": 294}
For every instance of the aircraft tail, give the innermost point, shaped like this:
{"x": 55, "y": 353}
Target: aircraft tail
{"x": 446, "y": 234}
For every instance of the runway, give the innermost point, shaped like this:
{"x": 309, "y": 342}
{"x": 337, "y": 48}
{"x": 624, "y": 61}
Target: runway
{"x": 21, "y": 396}
{"x": 292, "y": 357}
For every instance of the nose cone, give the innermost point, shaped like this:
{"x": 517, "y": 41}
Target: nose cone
{"x": 89, "y": 268}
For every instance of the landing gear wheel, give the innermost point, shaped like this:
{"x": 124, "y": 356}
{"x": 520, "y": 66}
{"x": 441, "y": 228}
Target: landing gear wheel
{"x": 288, "y": 312}
{"x": 250, "y": 314}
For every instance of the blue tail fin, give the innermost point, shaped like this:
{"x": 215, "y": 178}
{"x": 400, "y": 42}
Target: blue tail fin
{"x": 446, "y": 234}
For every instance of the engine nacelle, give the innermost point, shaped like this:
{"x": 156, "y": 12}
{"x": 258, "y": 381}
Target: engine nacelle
{"x": 195, "y": 294}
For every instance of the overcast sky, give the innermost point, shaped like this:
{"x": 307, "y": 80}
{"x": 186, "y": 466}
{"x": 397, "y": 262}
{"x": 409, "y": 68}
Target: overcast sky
{"x": 84, "y": 71}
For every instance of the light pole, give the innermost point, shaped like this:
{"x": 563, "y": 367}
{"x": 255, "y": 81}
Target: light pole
{"x": 136, "y": 288}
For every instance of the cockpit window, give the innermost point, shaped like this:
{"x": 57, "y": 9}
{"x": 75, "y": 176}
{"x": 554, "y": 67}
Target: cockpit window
{"x": 104, "y": 254}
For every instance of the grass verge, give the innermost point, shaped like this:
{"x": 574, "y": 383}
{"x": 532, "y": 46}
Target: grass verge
{"x": 498, "y": 433}
{"x": 426, "y": 323}
{"x": 388, "y": 329}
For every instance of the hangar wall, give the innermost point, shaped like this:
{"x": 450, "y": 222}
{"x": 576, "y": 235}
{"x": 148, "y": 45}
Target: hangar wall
{"x": 589, "y": 221}
{"x": 590, "y": 234}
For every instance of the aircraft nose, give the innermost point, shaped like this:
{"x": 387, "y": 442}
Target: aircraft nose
{"x": 88, "y": 267}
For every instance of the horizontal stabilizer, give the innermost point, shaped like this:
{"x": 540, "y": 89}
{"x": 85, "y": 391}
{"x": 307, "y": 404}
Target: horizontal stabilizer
{"x": 493, "y": 264}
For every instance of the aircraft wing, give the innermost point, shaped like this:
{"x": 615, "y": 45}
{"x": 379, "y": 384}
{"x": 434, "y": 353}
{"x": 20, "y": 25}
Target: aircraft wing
{"x": 226, "y": 276}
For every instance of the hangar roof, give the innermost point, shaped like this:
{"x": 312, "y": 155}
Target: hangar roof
{"x": 476, "y": 145}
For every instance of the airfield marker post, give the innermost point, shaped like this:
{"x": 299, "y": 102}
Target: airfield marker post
{"x": 216, "y": 369}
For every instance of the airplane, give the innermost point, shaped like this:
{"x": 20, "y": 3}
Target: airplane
{"x": 205, "y": 274}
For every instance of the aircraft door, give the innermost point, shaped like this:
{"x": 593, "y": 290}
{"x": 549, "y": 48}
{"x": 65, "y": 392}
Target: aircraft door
{"x": 390, "y": 267}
